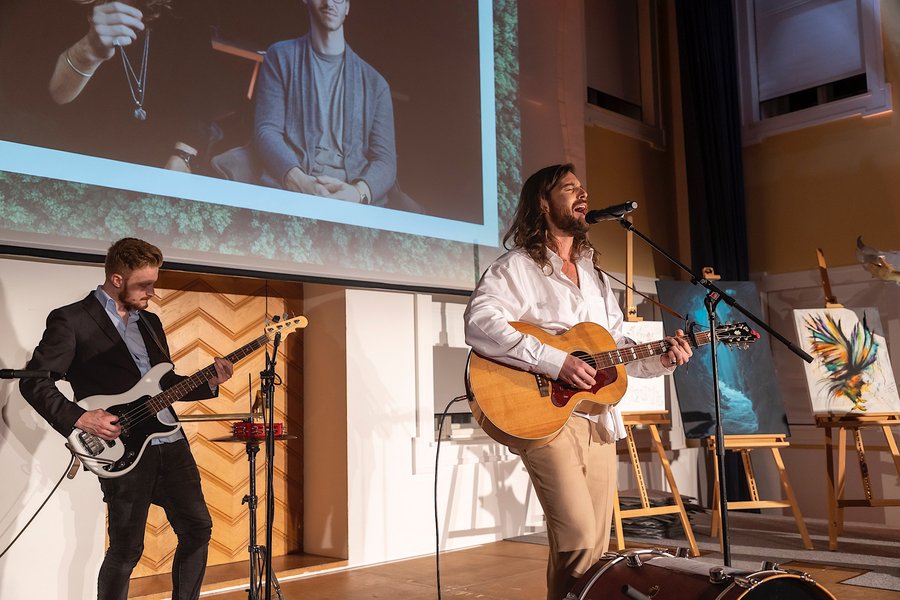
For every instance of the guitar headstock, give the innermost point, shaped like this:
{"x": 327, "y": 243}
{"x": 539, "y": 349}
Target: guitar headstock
{"x": 284, "y": 326}
{"x": 737, "y": 335}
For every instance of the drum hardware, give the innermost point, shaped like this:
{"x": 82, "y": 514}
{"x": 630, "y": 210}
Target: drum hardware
{"x": 658, "y": 575}
{"x": 634, "y": 594}
{"x": 717, "y": 576}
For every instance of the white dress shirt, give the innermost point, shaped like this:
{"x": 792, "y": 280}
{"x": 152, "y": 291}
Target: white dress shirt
{"x": 514, "y": 288}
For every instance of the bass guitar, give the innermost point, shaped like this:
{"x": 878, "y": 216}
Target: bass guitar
{"x": 525, "y": 410}
{"x": 138, "y": 407}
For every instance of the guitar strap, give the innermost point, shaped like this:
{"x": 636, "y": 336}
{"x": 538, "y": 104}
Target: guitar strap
{"x": 671, "y": 311}
{"x": 146, "y": 327}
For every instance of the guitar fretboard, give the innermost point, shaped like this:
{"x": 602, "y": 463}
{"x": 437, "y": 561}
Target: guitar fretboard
{"x": 621, "y": 356}
{"x": 186, "y": 386}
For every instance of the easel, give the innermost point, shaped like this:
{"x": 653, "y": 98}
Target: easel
{"x": 836, "y": 501}
{"x": 854, "y": 422}
{"x": 744, "y": 444}
{"x": 650, "y": 420}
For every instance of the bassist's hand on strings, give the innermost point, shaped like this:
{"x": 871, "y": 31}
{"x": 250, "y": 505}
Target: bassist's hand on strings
{"x": 577, "y": 373}
{"x": 100, "y": 423}
{"x": 679, "y": 351}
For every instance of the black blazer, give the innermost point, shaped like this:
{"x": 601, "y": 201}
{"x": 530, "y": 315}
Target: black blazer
{"x": 81, "y": 342}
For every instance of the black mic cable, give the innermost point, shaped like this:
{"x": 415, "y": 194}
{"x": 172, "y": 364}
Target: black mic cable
{"x": 68, "y": 470}
{"x": 437, "y": 529}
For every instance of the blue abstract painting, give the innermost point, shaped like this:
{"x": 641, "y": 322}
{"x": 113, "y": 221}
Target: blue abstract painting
{"x": 750, "y": 400}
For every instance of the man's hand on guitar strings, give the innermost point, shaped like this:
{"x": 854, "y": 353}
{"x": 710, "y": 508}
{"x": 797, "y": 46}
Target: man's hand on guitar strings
{"x": 577, "y": 373}
{"x": 100, "y": 423}
{"x": 224, "y": 371}
{"x": 679, "y": 351}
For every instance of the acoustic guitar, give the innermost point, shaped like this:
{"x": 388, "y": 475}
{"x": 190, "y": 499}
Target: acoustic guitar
{"x": 525, "y": 410}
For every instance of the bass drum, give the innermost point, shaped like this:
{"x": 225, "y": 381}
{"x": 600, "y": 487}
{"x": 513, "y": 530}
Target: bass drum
{"x": 658, "y": 575}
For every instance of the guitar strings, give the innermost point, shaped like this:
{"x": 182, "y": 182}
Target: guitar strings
{"x": 145, "y": 410}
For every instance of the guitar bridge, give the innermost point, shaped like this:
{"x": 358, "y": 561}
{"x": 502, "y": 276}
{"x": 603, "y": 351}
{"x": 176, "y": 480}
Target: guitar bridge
{"x": 543, "y": 385}
{"x": 91, "y": 443}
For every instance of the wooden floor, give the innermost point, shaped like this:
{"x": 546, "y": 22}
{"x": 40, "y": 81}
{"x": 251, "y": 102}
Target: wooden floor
{"x": 497, "y": 571}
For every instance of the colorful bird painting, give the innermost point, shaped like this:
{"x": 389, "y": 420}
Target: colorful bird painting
{"x": 847, "y": 359}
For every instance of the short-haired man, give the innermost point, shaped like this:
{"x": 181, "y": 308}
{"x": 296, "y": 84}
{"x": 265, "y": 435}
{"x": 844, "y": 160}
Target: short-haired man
{"x": 549, "y": 279}
{"x": 104, "y": 344}
{"x": 324, "y": 117}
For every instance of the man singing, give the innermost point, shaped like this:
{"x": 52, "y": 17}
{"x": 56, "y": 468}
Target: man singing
{"x": 549, "y": 279}
{"x": 104, "y": 344}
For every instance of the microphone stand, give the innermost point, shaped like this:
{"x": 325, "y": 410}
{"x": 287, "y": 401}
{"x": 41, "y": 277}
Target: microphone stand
{"x": 713, "y": 296}
{"x": 267, "y": 384}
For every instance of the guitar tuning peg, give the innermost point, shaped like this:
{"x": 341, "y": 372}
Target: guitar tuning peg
{"x": 276, "y": 318}
{"x": 285, "y": 317}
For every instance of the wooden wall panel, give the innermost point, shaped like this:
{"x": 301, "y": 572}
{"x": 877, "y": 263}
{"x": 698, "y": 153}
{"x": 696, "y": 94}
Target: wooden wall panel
{"x": 206, "y": 316}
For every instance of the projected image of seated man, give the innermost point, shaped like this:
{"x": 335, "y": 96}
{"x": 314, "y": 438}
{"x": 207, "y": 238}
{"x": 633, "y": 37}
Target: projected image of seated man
{"x": 324, "y": 122}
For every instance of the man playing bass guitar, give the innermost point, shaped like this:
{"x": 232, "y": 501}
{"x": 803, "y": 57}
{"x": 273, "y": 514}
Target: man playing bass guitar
{"x": 105, "y": 344}
{"x": 548, "y": 279}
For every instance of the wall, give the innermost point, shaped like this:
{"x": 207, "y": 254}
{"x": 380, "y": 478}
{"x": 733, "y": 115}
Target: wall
{"x": 823, "y": 186}
{"x": 373, "y": 477}
{"x": 59, "y": 555}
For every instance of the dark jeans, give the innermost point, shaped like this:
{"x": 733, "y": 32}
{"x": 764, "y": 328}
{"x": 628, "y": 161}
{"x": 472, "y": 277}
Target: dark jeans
{"x": 166, "y": 476}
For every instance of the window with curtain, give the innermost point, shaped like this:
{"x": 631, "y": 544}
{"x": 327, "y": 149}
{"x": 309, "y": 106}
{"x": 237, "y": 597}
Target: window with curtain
{"x": 805, "y": 62}
{"x": 622, "y": 67}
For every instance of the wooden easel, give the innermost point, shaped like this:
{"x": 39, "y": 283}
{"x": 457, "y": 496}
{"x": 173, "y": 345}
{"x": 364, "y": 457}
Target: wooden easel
{"x": 836, "y": 501}
{"x": 744, "y": 444}
{"x": 854, "y": 422}
{"x": 650, "y": 420}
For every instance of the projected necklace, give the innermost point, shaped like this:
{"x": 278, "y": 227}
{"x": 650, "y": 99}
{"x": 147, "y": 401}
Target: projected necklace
{"x": 137, "y": 82}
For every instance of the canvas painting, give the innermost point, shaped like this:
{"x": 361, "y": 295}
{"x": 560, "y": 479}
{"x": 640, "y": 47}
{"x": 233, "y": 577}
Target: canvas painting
{"x": 644, "y": 394}
{"x": 851, "y": 372}
{"x": 750, "y": 400}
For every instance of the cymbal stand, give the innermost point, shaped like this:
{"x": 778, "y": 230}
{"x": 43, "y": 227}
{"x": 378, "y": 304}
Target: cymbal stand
{"x": 258, "y": 554}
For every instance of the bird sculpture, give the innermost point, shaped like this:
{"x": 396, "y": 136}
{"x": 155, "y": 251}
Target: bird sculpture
{"x": 882, "y": 265}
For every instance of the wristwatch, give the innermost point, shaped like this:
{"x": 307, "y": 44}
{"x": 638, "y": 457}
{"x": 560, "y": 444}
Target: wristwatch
{"x": 363, "y": 190}
{"x": 183, "y": 155}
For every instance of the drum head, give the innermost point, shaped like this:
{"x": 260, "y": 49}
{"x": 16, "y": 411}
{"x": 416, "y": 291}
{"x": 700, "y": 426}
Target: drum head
{"x": 786, "y": 586}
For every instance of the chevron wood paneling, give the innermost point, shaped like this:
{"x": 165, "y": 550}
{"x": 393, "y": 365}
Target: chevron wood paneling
{"x": 207, "y": 316}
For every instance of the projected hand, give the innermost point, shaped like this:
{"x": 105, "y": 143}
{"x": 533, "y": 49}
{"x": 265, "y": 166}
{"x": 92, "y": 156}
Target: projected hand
{"x": 338, "y": 189}
{"x": 298, "y": 181}
{"x": 113, "y": 24}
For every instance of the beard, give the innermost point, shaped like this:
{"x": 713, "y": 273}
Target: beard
{"x": 131, "y": 305}
{"x": 569, "y": 222}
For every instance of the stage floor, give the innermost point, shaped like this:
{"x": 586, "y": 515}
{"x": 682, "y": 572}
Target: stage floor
{"x": 513, "y": 570}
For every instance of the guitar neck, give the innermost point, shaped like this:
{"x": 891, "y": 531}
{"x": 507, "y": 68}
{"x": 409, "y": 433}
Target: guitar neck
{"x": 186, "y": 386}
{"x": 621, "y": 356}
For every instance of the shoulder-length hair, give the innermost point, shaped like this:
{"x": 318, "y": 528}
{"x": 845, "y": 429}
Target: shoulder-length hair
{"x": 529, "y": 229}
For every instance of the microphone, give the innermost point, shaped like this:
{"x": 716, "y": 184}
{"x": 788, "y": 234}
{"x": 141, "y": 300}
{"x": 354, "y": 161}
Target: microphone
{"x": 18, "y": 374}
{"x": 610, "y": 213}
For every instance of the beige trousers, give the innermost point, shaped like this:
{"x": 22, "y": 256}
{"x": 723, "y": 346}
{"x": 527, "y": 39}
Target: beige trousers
{"x": 574, "y": 477}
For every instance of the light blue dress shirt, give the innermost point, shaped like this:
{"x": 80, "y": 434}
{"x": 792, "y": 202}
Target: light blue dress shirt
{"x": 131, "y": 335}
